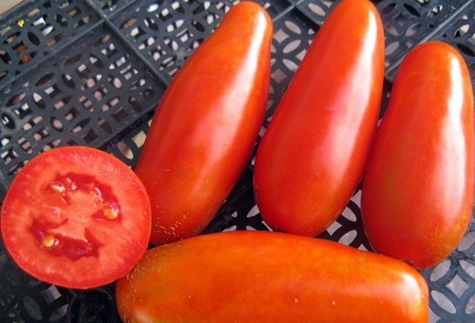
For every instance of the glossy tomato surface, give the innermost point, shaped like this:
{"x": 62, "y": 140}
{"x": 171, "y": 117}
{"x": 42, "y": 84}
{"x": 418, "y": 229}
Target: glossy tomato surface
{"x": 206, "y": 124}
{"x": 314, "y": 152}
{"x": 261, "y": 276}
{"x": 417, "y": 195}
{"x": 76, "y": 217}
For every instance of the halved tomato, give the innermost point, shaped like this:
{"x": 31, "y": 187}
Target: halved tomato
{"x": 77, "y": 217}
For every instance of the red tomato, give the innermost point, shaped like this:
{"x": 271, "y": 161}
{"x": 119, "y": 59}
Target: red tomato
{"x": 261, "y": 276}
{"x": 417, "y": 195}
{"x": 314, "y": 152}
{"x": 206, "y": 124}
{"x": 76, "y": 217}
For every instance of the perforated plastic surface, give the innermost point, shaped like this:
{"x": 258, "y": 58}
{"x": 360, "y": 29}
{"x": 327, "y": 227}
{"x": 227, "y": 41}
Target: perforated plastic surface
{"x": 91, "y": 72}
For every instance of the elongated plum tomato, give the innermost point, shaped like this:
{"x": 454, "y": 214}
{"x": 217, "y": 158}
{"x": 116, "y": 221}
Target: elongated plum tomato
{"x": 205, "y": 127}
{"x": 314, "y": 152}
{"x": 417, "y": 195}
{"x": 262, "y": 276}
{"x": 76, "y": 217}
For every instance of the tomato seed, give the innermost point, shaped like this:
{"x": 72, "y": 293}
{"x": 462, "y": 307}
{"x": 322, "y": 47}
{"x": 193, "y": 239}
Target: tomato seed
{"x": 111, "y": 213}
{"x": 57, "y": 187}
{"x": 49, "y": 241}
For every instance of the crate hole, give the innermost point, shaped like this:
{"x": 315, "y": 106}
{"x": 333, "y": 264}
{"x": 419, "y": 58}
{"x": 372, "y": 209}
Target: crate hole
{"x": 134, "y": 103}
{"x": 138, "y": 84}
{"x": 15, "y": 99}
{"x": 96, "y": 61}
{"x": 413, "y": 30}
{"x": 316, "y": 9}
{"x": 100, "y": 41}
{"x": 63, "y": 22}
{"x": 16, "y": 168}
{"x": 5, "y": 57}
{"x": 440, "y": 270}
{"x": 33, "y": 122}
{"x": 128, "y": 72}
{"x": 89, "y": 136}
{"x": 150, "y": 23}
{"x": 8, "y": 121}
{"x": 86, "y": 103}
{"x": 128, "y": 23}
{"x": 291, "y": 65}
{"x": 280, "y": 36}
{"x": 120, "y": 115}
{"x": 68, "y": 81}
{"x": 139, "y": 139}
{"x": 55, "y": 39}
{"x": 109, "y": 51}
{"x": 443, "y": 301}
{"x": 25, "y": 145}
{"x": 44, "y": 79}
{"x": 153, "y": 7}
{"x": 411, "y": 10}
{"x": 91, "y": 82}
{"x": 148, "y": 94}
{"x": 73, "y": 13}
{"x": 348, "y": 237}
{"x": 125, "y": 150}
{"x": 56, "y": 124}
{"x": 110, "y": 104}
{"x": 52, "y": 91}
{"x": 467, "y": 241}
{"x": 468, "y": 267}
{"x": 391, "y": 48}
{"x": 109, "y": 4}
{"x": 41, "y": 135}
{"x": 115, "y": 82}
{"x": 293, "y": 45}
{"x": 3, "y": 74}
{"x": 279, "y": 76}
{"x": 466, "y": 50}
{"x": 470, "y": 308}
{"x": 100, "y": 93}
{"x": 80, "y": 125}
{"x": 63, "y": 102}
{"x": 72, "y": 60}
{"x": 33, "y": 38}
{"x": 82, "y": 71}
{"x": 104, "y": 125}
{"x": 38, "y": 100}
{"x": 147, "y": 43}
{"x": 71, "y": 114}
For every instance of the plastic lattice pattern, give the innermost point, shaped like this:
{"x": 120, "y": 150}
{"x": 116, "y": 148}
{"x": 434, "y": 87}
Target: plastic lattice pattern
{"x": 91, "y": 72}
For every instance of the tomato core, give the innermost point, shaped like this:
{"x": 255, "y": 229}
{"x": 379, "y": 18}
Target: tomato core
{"x": 73, "y": 200}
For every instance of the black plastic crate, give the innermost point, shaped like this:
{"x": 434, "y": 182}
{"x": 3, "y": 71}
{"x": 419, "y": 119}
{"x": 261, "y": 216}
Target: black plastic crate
{"x": 91, "y": 72}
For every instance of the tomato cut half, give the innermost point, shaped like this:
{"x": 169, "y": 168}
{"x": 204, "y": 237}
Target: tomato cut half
{"x": 76, "y": 217}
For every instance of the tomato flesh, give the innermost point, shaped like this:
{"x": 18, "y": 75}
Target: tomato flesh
{"x": 76, "y": 217}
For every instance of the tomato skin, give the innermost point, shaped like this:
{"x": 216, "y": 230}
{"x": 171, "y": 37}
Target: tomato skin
{"x": 76, "y": 217}
{"x": 206, "y": 124}
{"x": 417, "y": 195}
{"x": 314, "y": 152}
{"x": 261, "y": 276}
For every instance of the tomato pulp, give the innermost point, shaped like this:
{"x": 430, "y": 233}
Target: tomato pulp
{"x": 261, "y": 276}
{"x": 76, "y": 217}
{"x": 314, "y": 152}
{"x": 205, "y": 127}
{"x": 417, "y": 195}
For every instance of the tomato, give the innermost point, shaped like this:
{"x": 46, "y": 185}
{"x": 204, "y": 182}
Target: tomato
{"x": 262, "y": 276}
{"x": 417, "y": 195}
{"x": 314, "y": 152}
{"x": 76, "y": 217}
{"x": 205, "y": 127}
